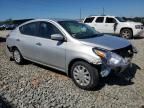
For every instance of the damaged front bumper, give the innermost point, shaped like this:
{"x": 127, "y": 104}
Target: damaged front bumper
{"x": 107, "y": 69}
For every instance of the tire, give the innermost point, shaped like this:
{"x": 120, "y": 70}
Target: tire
{"x": 87, "y": 78}
{"x": 126, "y": 33}
{"x": 17, "y": 57}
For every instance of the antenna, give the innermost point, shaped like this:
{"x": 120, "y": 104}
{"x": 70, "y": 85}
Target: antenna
{"x": 103, "y": 11}
{"x": 80, "y": 13}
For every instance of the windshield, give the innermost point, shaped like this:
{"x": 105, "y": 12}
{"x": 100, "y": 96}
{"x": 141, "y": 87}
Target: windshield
{"x": 78, "y": 30}
{"x": 121, "y": 19}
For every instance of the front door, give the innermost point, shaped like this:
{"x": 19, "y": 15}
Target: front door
{"x": 51, "y": 52}
{"x": 110, "y": 24}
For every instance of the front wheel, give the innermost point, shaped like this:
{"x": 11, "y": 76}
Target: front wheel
{"x": 84, "y": 75}
{"x": 126, "y": 33}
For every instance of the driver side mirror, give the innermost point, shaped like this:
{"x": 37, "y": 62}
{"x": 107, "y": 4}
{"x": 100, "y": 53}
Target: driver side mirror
{"x": 116, "y": 23}
{"x": 57, "y": 37}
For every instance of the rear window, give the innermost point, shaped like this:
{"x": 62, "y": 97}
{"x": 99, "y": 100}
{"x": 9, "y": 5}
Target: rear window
{"x": 29, "y": 29}
{"x": 47, "y": 29}
{"x": 100, "y": 20}
{"x": 89, "y": 20}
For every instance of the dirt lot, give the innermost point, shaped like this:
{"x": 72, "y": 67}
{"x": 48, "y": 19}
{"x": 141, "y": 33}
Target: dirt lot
{"x": 34, "y": 86}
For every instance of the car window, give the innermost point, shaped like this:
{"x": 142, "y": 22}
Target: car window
{"x": 121, "y": 19}
{"x": 29, "y": 29}
{"x": 89, "y": 20}
{"x": 100, "y": 20}
{"x": 110, "y": 20}
{"x": 47, "y": 29}
{"x": 79, "y": 30}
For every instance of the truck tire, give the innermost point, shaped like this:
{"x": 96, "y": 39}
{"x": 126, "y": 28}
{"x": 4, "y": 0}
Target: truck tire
{"x": 126, "y": 33}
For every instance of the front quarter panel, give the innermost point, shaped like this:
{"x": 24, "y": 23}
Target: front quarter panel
{"x": 80, "y": 51}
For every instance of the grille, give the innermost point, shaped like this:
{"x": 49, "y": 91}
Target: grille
{"x": 124, "y": 52}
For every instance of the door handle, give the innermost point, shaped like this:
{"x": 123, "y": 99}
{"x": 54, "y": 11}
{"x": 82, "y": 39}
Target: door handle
{"x": 18, "y": 40}
{"x": 39, "y": 44}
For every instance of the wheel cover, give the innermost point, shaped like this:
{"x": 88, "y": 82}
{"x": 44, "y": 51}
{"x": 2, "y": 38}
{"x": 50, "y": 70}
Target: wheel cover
{"x": 81, "y": 75}
{"x": 125, "y": 34}
{"x": 17, "y": 56}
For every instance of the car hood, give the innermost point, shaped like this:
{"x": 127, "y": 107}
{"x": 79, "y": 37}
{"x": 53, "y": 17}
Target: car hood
{"x": 106, "y": 42}
{"x": 132, "y": 23}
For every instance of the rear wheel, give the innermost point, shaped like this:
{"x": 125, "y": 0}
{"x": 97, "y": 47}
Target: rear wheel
{"x": 17, "y": 56}
{"x": 84, "y": 75}
{"x": 126, "y": 33}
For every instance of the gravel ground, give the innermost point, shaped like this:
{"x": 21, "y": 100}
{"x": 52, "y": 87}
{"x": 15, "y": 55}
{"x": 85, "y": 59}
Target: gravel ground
{"x": 34, "y": 86}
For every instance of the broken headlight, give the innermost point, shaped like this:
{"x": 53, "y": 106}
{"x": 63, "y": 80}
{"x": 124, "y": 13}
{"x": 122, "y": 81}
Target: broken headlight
{"x": 110, "y": 58}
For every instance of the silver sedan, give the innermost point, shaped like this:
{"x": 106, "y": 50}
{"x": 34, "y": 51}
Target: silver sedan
{"x": 71, "y": 47}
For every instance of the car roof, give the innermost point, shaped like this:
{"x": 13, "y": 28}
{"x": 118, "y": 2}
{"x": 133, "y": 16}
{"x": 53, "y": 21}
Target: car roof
{"x": 46, "y": 19}
{"x": 101, "y": 16}
{"x": 51, "y": 19}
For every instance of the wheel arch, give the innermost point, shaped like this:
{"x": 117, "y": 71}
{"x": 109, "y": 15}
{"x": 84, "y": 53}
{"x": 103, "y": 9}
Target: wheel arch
{"x": 11, "y": 49}
{"x": 76, "y": 60}
{"x": 126, "y": 28}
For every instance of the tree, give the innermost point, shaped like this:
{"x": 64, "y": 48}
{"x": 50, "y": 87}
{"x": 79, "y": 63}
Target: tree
{"x": 8, "y": 21}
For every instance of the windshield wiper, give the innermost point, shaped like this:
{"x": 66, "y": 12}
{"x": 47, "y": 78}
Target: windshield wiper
{"x": 97, "y": 35}
{"x": 92, "y": 36}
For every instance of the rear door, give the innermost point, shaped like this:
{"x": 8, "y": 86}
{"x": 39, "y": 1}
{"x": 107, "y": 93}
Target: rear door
{"x": 27, "y": 40}
{"x": 99, "y": 24}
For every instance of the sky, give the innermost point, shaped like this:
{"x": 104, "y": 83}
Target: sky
{"x": 20, "y": 9}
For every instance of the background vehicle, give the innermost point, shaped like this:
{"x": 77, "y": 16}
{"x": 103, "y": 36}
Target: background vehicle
{"x": 71, "y": 47}
{"x": 10, "y": 26}
{"x": 2, "y": 26}
{"x": 7, "y": 26}
{"x": 115, "y": 25}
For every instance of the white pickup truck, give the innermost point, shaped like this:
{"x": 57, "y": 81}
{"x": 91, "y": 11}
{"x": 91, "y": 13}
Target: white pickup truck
{"x": 115, "y": 25}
